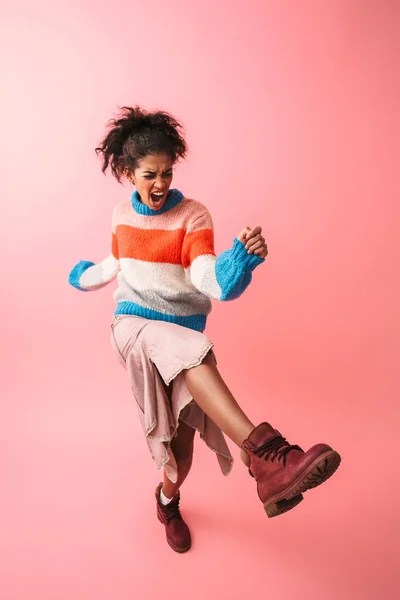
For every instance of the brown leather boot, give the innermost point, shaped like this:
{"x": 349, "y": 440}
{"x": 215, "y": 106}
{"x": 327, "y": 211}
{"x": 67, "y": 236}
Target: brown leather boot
{"x": 281, "y": 506}
{"x": 284, "y": 471}
{"x": 177, "y": 532}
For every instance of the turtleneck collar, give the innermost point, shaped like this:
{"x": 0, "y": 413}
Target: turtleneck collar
{"x": 174, "y": 198}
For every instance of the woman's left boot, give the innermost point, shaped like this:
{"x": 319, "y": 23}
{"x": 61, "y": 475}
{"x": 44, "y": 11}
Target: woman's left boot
{"x": 284, "y": 471}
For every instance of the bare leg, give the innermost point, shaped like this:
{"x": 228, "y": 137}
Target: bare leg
{"x": 213, "y": 396}
{"x": 182, "y": 447}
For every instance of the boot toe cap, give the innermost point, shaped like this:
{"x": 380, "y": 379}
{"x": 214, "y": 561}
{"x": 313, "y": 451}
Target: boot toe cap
{"x": 178, "y": 535}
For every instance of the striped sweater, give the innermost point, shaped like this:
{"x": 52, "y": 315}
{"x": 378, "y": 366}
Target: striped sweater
{"x": 165, "y": 262}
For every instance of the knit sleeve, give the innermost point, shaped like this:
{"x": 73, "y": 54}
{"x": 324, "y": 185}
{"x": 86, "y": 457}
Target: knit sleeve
{"x": 224, "y": 277}
{"x": 87, "y": 276}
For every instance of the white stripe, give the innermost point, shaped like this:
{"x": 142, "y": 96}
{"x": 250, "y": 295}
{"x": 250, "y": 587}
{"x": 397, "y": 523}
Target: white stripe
{"x": 202, "y": 273}
{"x": 99, "y": 275}
{"x": 161, "y": 287}
{"x": 164, "y": 278}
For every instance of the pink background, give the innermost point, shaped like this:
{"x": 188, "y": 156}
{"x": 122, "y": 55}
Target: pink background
{"x": 292, "y": 114}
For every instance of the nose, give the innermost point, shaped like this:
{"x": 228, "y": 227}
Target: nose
{"x": 159, "y": 184}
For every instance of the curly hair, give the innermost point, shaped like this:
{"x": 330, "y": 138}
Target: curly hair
{"x": 134, "y": 134}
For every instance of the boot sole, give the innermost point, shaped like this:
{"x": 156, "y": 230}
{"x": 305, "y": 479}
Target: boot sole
{"x": 274, "y": 509}
{"x": 178, "y": 550}
{"x": 314, "y": 475}
{"x": 174, "y": 548}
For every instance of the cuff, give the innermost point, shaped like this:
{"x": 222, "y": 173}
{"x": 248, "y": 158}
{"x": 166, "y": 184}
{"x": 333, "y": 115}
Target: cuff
{"x": 248, "y": 262}
{"x": 77, "y": 272}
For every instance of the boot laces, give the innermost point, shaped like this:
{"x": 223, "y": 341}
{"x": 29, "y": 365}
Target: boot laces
{"x": 171, "y": 510}
{"x": 278, "y": 447}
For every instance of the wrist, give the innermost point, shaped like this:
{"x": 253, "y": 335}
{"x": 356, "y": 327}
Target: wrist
{"x": 240, "y": 255}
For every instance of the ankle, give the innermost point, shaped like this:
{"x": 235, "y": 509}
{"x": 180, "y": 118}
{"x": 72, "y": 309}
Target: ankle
{"x": 245, "y": 458}
{"x": 170, "y": 489}
{"x": 164, "y": 499}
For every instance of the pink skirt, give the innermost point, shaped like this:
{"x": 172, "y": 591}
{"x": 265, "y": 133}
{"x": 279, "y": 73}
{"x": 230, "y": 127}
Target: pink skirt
{"x": 155, "y": 353}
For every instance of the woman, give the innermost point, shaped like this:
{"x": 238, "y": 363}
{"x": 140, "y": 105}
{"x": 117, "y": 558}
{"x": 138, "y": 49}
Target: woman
{"x": 163, "y": 254}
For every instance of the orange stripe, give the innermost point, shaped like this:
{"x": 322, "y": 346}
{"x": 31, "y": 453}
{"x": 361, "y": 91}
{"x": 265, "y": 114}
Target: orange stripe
{"x": 196, "y": 244}
{"x": 114, "y": 246}
{"x": 151, "y": 245}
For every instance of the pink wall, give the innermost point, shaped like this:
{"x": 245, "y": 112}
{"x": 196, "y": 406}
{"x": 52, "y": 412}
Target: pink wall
{"x": 293, "y": 122}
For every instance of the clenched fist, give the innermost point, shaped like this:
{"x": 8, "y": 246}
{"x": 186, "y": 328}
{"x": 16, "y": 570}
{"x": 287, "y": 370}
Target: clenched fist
{"x": 254, "y": 241}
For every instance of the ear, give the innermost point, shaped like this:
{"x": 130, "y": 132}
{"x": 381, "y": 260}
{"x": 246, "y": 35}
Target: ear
{"x": 129, "y": 176}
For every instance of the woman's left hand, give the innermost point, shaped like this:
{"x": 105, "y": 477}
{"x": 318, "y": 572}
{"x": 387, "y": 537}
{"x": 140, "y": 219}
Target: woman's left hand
{"x": 254, "y": 241}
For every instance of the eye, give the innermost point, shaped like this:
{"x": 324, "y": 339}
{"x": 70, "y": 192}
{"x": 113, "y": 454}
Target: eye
{"x": 169, "y": 174}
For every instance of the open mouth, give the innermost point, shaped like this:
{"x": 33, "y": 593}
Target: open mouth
{"x": 157, "y": 198}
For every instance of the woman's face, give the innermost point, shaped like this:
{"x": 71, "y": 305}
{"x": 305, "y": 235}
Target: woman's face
{"x": 152, "y": 178}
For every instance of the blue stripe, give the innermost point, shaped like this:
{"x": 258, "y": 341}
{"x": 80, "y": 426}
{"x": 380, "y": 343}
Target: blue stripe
{"x": 233, "y": 270}
{"x": 196, "y": 322}
{"x": 77, "y": 272}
